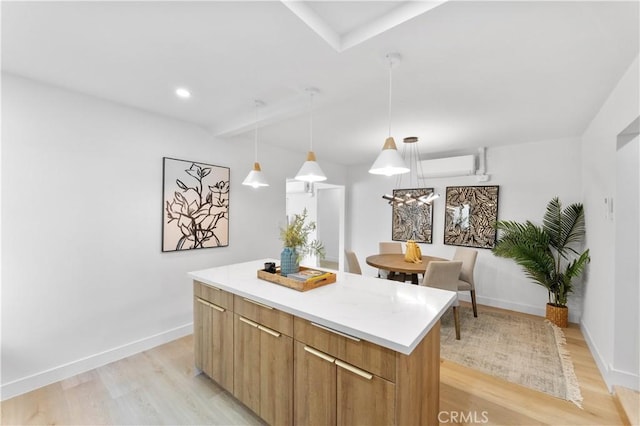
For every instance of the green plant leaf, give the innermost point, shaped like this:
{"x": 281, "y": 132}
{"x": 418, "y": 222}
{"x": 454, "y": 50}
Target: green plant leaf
{"x": 296, "y": 235}
{"x": 545, "y": 252}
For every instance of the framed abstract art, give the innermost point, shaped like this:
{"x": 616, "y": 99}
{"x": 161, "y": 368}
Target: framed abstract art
{"x": 470, "y": 216}
{"x": 412, "y": 221}
{"x": 195, "y": 205}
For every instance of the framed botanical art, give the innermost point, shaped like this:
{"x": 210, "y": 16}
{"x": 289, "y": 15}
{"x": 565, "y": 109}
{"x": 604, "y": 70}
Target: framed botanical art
{"x": 414, "y": 220}
{"x": 470, "y": 216}
{"x": 195, "y": 205}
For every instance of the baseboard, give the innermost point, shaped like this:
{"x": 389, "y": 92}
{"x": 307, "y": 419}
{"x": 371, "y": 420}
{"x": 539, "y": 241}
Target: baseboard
{"x": 597, "y": 356}
{"x": 512, "y": 306}
{"x": 61, "y": 372}
{"x": 626, "y": 379}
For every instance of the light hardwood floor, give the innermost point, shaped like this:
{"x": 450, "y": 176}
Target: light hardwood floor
{"x": 628, "y": 402}
{"x": 159, "y": 386}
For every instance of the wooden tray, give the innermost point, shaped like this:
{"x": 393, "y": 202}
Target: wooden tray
{"x": 295, "y": 284}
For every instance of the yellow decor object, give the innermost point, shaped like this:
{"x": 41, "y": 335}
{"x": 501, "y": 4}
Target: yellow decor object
{"x": 413, "y": 253}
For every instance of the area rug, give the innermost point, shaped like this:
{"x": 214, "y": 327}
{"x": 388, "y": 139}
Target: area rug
{"x": 527, "y": 351}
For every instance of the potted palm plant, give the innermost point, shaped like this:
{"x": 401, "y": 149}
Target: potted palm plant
{"x": 548, "y": 253}
{"x": 295, "y": 237}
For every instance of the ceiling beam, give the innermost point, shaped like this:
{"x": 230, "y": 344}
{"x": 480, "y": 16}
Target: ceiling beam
{"x": 269, "y": 114}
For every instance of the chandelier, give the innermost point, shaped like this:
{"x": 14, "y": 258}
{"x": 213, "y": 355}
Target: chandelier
{"x": 413, "y": 194}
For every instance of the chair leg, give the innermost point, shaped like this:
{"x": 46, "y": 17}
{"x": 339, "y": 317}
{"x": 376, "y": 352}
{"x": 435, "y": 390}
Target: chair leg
{"x": 456, "y": 320}
{"x": 473, "y": 302}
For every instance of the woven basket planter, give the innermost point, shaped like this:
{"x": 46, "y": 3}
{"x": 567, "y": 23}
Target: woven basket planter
{"x": 559, "y": 315}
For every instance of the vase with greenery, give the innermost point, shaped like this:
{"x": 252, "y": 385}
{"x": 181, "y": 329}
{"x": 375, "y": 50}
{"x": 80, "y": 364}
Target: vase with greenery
{"x": 549, "y": 254}
{"x": 295, "y": 237}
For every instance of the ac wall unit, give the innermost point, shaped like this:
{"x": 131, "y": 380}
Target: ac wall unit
{"x": 464, "y": 165}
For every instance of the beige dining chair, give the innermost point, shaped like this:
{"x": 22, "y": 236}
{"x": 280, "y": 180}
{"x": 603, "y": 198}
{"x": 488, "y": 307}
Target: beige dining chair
{"x": 444, "y": 274}
{"x": 465, "y": 283}
{"x": 352, "y": 262}
{"x": 388, "y": 247}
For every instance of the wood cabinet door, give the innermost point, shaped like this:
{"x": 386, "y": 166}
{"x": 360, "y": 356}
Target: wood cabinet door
{"x": 246, "y": 371}
{"x": 276, "y": 377}
{"x": 314, "y": 387}
{"x": 221, "y": 347}
{"x": 213, "y": 342}
{"x": 363, "y": 398}
{"x": 202, "y": 333}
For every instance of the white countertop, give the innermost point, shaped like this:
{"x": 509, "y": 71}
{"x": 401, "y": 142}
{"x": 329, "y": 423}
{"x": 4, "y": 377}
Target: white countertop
{"x": 388, "y": 313}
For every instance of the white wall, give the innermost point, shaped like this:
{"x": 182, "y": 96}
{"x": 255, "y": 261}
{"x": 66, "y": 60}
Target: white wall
{"x": 598, "y": 177}
{"x": 329, "y": 200}
{"x": 83, "y": 279}
{"x": 529, "y": 176}
{"x": 626, "y": 356}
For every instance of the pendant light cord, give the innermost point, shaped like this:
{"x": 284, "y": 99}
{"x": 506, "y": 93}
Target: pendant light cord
{"x": 311, "y": 121}
{"x": 255, "y": 145}
{"x": 390, "y": 89}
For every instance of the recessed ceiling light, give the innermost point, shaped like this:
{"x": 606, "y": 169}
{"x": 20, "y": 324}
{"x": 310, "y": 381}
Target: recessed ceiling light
{"x": 183, "y": 93}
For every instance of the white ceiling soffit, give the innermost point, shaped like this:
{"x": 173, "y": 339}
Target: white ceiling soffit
{"x": 342, "y": 25}
{"x": 364, "y": 31}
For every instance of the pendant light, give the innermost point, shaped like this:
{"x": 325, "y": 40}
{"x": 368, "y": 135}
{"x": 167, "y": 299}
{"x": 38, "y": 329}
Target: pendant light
{"x": 389, "y": 161}
{"x": 310, "y": 170}
{"x": 255, "y": 178}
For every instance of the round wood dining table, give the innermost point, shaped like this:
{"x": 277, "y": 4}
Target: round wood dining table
{"x": 399, "y": 269}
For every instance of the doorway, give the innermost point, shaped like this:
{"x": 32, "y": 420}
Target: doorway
{"x": 325, "y": 204}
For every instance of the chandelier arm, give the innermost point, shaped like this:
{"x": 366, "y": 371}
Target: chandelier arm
{"x": 416, "y": 160}
{"x": 404, "y": 157}
{"x": 419, "y": 169}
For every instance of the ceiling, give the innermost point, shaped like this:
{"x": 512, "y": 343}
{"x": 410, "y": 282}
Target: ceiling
{"x": 472, "y": 73}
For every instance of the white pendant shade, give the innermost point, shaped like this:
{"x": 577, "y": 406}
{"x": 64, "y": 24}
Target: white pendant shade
{"x": 389, "y": 161}
{"x": 310, "y": 170}
{"x": 255, "y": 178}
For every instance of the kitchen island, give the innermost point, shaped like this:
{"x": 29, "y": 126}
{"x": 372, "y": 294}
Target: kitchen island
{"x": 359, "y": 351}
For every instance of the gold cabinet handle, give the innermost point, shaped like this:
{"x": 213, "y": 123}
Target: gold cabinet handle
{"x": 260, "y": 327}
{"x": 331, "y": 330}
{"x": 211, "y": 305}
{"x": 269, "y": 331}
{"x": 246, "y": 321}
{"x": 354, "y": 370}
{"x": 319, "y": 354}
{"x": 216, "y": 307}
{"x": 257, "y": 303}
